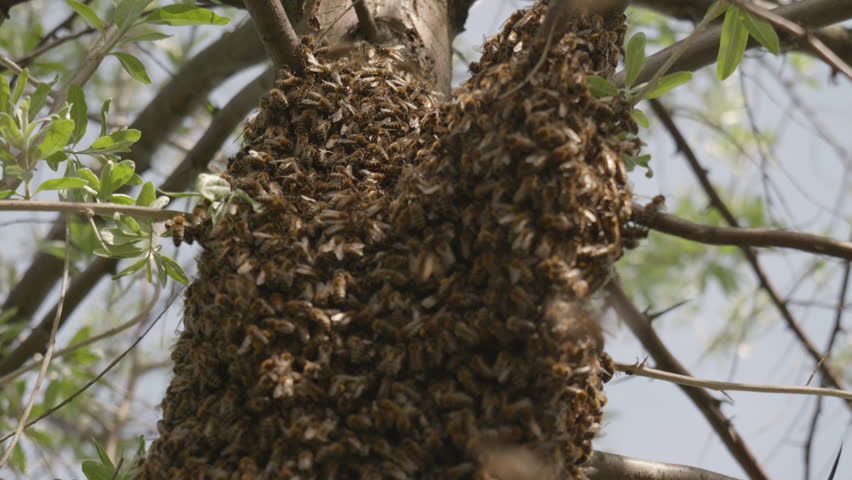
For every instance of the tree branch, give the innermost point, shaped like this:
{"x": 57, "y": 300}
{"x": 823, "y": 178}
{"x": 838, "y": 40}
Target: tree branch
{"x": 837, "y": 37}
{"x": 87, "y": 208}
{"x": 690, "y": 381}
{"x": 716, "y": 201}
{"x": 704, "y": 48}
{"x": 739, "y": 236}
{"x": 277, "y": 34}
{"x": 782, "y": 24}
{"x": 366, "y": 21}
{"x": 709, "y": 406}
{"x": 609, "y": 466}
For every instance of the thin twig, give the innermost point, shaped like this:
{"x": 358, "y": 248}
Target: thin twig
{"x": 707, "y": 404}
{"x": 97, "y": 377}
{"x": 366, "y": 21}
{"x": 641, "y": 370}
{"x": 11, "y": 65}
{"x": 29, "y": 57}
{"x": 83, "y": 208}
{"x": 277, "y": 34}
{"x": 740, "y": 236}
{"x": 716, "y": 201}
{"x": 48, "y": 355}
{"x": 142, "y": 315}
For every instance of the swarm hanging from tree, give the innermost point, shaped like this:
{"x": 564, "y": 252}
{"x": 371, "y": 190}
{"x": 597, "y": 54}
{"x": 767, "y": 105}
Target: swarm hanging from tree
{"x": 409, "y": 303}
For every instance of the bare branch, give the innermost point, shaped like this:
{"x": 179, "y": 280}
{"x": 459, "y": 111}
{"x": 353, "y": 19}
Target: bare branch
{"x": 87, "y": 208}
{"x": 716, "y": 201}
{"x": 609, "y": 466}
{"x": 739, "y": 236}
{"x": 277, "y": 34}
{"x": 704, "y": 48}
{"x": 709, "y": 406}
{"x": 690, "y": 381}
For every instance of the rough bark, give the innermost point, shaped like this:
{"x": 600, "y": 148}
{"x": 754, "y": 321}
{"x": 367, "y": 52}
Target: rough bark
{"x": 409, "y": 302}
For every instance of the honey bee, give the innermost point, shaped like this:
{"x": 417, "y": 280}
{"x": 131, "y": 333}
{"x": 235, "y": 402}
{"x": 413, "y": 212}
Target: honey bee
{"x": 178, "y": 227}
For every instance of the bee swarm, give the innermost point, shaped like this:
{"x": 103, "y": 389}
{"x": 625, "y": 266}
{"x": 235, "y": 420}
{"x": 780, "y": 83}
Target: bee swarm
{"x": 409, "y": 303}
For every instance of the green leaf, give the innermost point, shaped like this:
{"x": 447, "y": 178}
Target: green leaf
{"x": 54, "y": 160}
{"x": 6, "y": 194}
{"x": 19, "y": 85}
{"x": 95, "y": 471}
{"x": 212, "y": 187}
{"x": 635, "y": 58}
{"x": 733, "y": 43}
{"x": 147, "y": 195}
{"x": 640, "y": 118}
{"x": 39, "y": 98}
{"x": 104, "y": 114}
{"x": 103, "y": 455}
{"x": 179, "y": 15}
{"x": 763, "y": 32}
{"x": 5, "y": 96}
{"x": 121, "y": 199}
{"x": 90, "y": 177}
{"x": 10, "y": 132}
{"x": 54, "y": 137}
{"x": 79, "y": 111}
{"x": 120, "y": 251}
{"x": 146, "y": 37}
{"x": 160, "y": 202}
{"x": 173, "y": 269}
{"x": 106, "y": 181}
{"x": 128, "y": 11}
{"x": 87, "y": 13}
{"x": 601, "y": 87}
{"x": 133, "y": 66}
{"x": 116, "y": 142}
{"x": 669, "y": 82}
{"x": 135, "y": 267}
{"x": 62, "y": 183}
{"x": 255, "y": 205}
{"x": 121, "y": 174}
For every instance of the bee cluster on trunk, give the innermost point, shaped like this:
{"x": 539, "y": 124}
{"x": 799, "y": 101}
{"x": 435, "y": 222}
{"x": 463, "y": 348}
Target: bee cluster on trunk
{"x": 409, "y": 304}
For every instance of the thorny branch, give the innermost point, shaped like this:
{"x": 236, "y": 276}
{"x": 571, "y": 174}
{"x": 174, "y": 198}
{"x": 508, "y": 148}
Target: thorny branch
{"x": 740, "y": 236}
{"x": 664, "y": 360}
{"x": 643, "y": 371}
{"x": 763, "y": 279}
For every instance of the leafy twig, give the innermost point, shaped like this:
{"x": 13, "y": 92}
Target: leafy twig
{"x": 87, "y": 208}
{"x": 48, "y": 355}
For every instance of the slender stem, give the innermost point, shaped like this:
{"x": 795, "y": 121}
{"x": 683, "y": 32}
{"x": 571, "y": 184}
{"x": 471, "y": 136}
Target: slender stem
{"x": 643, "y": 371}
{"x": 88, "y": 208}
{"x": 48, "y": 354}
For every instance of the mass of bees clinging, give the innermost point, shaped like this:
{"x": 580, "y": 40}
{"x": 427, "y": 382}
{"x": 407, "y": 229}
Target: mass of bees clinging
{"x": 410, "y": 301}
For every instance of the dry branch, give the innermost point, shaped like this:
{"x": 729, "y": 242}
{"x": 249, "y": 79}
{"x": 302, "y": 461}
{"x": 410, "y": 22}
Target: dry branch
{"x": 609, "y": 466}
{"x": 643, "y": 371}
{"x": 366, "y": 21}
{"x": 716, "y": 201}
{"x": 740, "y": 236}
{"x": 640, "y": 325}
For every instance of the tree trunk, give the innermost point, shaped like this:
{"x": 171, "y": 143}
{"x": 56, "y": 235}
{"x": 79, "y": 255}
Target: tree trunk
{"x": 409, "y": 303}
